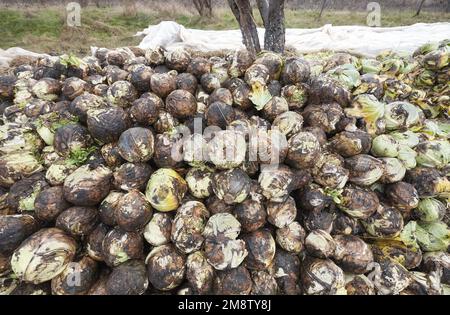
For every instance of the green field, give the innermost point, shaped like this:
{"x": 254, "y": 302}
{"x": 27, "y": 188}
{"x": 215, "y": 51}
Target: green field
{"x": 44, "y": 30}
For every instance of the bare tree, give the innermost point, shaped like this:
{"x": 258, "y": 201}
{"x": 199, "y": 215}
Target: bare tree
{"x": 272, "y": 13}
{"x": 203, "y": 7}
{"x": 419, "y": 8}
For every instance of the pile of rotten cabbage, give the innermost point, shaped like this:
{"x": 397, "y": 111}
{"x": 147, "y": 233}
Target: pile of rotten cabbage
{"x": 100, "y": 192}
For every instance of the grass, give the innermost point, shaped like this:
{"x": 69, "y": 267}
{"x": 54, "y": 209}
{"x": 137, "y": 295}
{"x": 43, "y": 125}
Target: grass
{"x": 44, "y": 30}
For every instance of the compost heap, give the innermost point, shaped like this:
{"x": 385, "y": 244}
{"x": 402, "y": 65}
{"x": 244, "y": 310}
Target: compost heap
{"x": 140, "y": 171}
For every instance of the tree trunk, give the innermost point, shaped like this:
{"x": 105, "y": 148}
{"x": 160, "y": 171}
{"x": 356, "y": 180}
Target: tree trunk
{"x": 275, "y": 32}
{"x": 198, "y": 6}
{"x": 263, "y": 7}
{"x": 242, "y": 10}
{"x": 208, "y": 8}
{"x": 322, "y": 8}
{"x": 419, "y": 8}
{"x": 203, "y": 7}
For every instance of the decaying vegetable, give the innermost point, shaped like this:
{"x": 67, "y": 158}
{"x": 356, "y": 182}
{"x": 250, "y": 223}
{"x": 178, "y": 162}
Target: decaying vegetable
{"x": 166, "y": 267}
{"x": 165, "y": 189}
{"x": 43, "y": 255}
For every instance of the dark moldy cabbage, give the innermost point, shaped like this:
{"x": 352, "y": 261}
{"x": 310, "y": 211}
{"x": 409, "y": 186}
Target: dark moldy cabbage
{"x": 402, "y": 196}
{"x": 217, "y": 205}
{"x": 166, "y": 267}
{"x": 181, "y": 104}
{"x": 352, "y": 254}
{"x": 303, "y": 150}
{"x": 251, "y": 214}
{"x": 73, "y": 87}
{"x": 114, "y": 74}
{"x": 133, "y": 211}
{"x": 210, "y": 82}
{"x": 163, "y": 83}
{"x": 158, "y": 231}
{"x": 86, "y": 270}
{"x": 129, "y": 278}
{"x": 236, "y": 281}
{"x": 320, "y": 244}
{"x": 198, "y": 66}
{"x": 188, "y": 226}
{"x": 219, "y": 114}
{"x": 94, "y": 241}
{"x": 295, "y": 70}
{"x": 168, "y": 150}
{"x": 130, "y": 176}
{"x": 281, "y": 214}
{"x": 77, "y": 221}
{"x": 187, "y": 82}
{"x": 140, "y": 77}
{"x": 86, "y": 101}
{"x": 322, "y": 220}
{"x": 136, "y": 144}
{"x": 121, "y": 93}
{"x": 14, "y": 229}
{"x": 325, "y": 116}
{"x": 360, "y": 285}
{"x": 220, "y": 95}
{"x": 33, "y": 261}
{"x": 321, "y": 276}
{"x": 111, "y": 155}
{"x": 87, "y": 186}
{"x": 145, "y": 110}
{"x": 358, "y": 202}
{"x": 106, "y": 124}
{"x": 232, "y": 186}
{"x": 49, "y": 203}
{"x": 324, "y": 89}
{"x": 261, "y": 249}
{"x": 107, "y": 207}
{"x": 22, "y": 194}
{"x": 71, "y": 138}
{"x": 286, "y": 271}
{"x": 407, "y": 256}
{"x": 119, "y": 246}
{"x": 199, "y": 274}
{"x": 350, "y": 143}
{"x": 385, "y": 222}
{"x": 427, "y": 181}
{"x": 278, "y": 182}
{"x": 263, "y": 283}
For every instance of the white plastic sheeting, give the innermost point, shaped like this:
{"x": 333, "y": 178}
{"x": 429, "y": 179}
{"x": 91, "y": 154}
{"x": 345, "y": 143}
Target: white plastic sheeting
{"x": 358, "y": 39}
{"x": 7, "y": 55}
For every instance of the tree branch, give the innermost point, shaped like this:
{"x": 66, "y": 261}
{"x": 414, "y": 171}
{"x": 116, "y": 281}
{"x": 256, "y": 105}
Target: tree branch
{"x": 324, "y": 3}
{"x": 419, "y": 8}
{"x": 242, "y": 10}
{"x": 263, "y": 7}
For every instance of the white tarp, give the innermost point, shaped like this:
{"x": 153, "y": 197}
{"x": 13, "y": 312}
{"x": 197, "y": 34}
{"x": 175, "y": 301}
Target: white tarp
{"x": 359, "y": 39}
{"x": 7, "y": 55}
